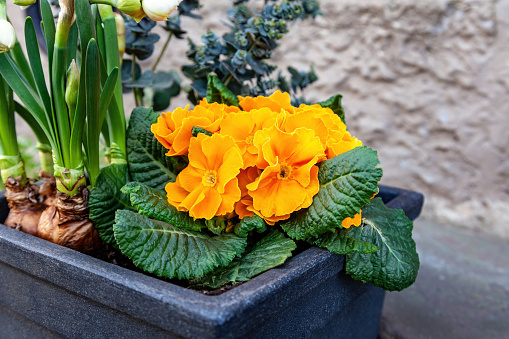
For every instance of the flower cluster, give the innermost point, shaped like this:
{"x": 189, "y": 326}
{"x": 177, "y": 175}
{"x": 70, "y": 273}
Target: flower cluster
{"x": 260, "y": 159}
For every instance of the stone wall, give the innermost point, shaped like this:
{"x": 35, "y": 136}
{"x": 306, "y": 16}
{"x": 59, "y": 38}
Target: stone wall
{"x": 424, "y": 82}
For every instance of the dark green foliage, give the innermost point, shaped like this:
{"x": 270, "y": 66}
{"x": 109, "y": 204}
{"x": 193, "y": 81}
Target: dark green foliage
{"x": 347, "y": 183}
{"x": 160, "y": 248}
{"x": 218, "y": 92}
{"x": 153, "y": 203}
{"x": 334, "y": 103}
{"x": 250, "y": 224}
{"x": 106, "y": 198}
{"x": 269, "y": 252}
{"x": 148, "y": 163}
{"x": 239, "y": 58}
{"x": 394, "y": 267}
{"x": 340, "y": 243}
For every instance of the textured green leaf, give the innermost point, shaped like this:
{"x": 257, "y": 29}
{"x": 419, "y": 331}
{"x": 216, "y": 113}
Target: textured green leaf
{"x": 347, "y": 183}
{"x": 340, "y": 243}
{"x": 248, "y": 224}
{"x": 334, "y": 103}
{"x": 269, "y": 252}
{"x": 394, "y": 267}
{"x": 218, "y": 92}
{"x": 153, "y": 203}
{"x": 160, "y": 248}
{"x": 148, "y": 163}
{"x": 106, "y": 198}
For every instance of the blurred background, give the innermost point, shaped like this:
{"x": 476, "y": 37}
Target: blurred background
{"x": 426, "y": 83}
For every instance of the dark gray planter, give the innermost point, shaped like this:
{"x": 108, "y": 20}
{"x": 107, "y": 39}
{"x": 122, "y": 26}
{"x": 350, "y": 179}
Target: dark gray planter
{"x": 49, "y": 291}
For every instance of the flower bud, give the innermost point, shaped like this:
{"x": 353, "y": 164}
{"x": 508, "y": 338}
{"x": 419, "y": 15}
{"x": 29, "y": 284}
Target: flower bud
{"x": 24, "y": 3}
{"x": 7, "y": 36}
{"x": 159, "y": 10}
{"x": 132, "y": 8}
{"x": 72, "y": 87}
{"x": 120, "y": 23}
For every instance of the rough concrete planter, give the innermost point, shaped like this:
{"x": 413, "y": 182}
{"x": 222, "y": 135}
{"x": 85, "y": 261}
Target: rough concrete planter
{"x": 49, "y": 291}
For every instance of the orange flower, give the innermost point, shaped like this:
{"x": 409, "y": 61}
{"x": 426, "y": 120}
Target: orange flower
{"x": 174, "y": 129}
{"x": 208, "y": 186}
{"x": 276, "y": 102}
{"x": 338, "y": 140}
{"x": 355, "y": 221}
{"x": 290, "y": 178}
{"x": 243, "y": 126}
{"x": 243, "y": 208}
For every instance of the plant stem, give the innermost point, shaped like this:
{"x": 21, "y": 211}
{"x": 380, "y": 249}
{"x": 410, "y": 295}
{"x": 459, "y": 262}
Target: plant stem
{"x": 167, "y": 43}
{"x": 116, "y": 118}
{"x": 133, "y": 79}
{"x": 3, "y": 10}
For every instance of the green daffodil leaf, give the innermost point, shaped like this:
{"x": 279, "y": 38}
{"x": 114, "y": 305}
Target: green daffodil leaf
{"x": 163, "y": 249}
{"x": 394, "y": 267}
{"x": 347, "y": 183}
{"x": 269, "y": 252}
{"x": 153, "y": 203}
{"x": 106, "y": 198}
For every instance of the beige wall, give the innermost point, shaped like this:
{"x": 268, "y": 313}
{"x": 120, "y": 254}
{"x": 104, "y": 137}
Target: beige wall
{"x": 425, "y": 82}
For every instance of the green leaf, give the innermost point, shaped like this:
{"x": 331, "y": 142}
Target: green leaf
{"x": 347, "y": 183}
{"x": 248, "y": 224}
{"x": 269, "y": 252}
{"x": 106, "y": 198}
{"x": 148, "y": 163}
{"x": 394, "y": 267}
{"x": 218, "y": 92}
{"x": 334, "y": 103}
{"x": 340, "y": 243}
{"x": 160, "y": 248}
{"x": 153, "y": 203}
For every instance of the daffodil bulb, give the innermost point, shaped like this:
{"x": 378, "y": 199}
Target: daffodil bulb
{"x": 159, "y": 10}
{"x": 7, "y": 36}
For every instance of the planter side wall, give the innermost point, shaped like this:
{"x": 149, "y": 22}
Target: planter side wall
{"x": 49, "y": 291}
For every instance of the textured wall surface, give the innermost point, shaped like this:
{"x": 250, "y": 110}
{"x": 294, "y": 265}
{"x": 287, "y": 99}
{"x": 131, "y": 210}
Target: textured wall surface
{"x": 424, "y": 82}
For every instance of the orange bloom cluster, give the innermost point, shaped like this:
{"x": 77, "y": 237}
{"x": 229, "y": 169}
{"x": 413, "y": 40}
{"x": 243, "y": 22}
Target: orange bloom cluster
{"x": 259, "y": 160}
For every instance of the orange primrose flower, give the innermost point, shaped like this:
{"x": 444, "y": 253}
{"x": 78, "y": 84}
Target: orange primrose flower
{"x": 208, "y": 186}
{"x": 290, "y": 178}
{"x": 174, "y": 129}
{"x": 242, "y": 127}
{"x": 276, "y": 102}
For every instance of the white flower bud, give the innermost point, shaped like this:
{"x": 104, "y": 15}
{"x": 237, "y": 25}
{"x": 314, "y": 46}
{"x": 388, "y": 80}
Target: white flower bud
{"x": 7, "y": 36}
{"x": 159, "y": 10}
{"x": 130, "y": 7}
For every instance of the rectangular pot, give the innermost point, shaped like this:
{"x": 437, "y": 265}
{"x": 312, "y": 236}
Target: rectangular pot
{"x": 48, "y": 291}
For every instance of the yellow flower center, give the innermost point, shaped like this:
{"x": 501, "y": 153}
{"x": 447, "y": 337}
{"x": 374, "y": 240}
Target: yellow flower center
{"x": 284, "y": 171}
{"x": 209, "y": 179}
{"x": 250, "y": 139}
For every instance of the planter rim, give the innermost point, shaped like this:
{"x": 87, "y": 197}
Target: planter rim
{"x": 153, "y": 300}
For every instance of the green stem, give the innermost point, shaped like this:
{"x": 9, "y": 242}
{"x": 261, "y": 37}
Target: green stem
{"x": 116, "y": 118}
{"x": 133, "y": 79}
{"x": 58, "y": 77}
{"x": 8, "y": 141}
{"x": 3, "y": 10}
{"x": 167, "y": 43}
{"x": 46, "y": 157}
{"x": 12, "y": 166}
{"x": 70, "y": 180}
{"x": 111, "y": 3}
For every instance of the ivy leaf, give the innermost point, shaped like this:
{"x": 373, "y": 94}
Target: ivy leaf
{"x": 334, "y": 103}
{"x": 106, "y": 198}
{"x": 340, "y": 243}
{"x": 147, "y": 161}
{"x": 248, "y": 224}
{"x": 347, "y": 183}
{"x": 153, "y": 203}
{"x": 163, "y": 249}
{"x": 269, "y": 252}
{"x": 218, "y": 92}
{"x": 394, "y": 267}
